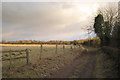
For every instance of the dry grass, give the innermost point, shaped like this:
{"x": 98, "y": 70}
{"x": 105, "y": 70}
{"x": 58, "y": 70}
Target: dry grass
{"x": 47, "y": 66}
{"x": 19, "y": 45}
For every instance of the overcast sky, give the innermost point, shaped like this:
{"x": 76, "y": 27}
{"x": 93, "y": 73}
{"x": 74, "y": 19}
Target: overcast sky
{"x": 47, "y": 20}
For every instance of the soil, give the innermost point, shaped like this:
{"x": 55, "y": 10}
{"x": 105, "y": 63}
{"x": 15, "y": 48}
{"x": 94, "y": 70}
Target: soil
{"x": 86, "y": 72}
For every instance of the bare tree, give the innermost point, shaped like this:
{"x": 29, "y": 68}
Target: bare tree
{"x": 90, "y": 29}
{"x": 110, "y": 13}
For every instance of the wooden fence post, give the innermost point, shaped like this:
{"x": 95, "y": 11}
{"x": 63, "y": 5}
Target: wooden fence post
{"x": 71, "y": 48}
{"x": 63, "y": 48}
{"x": 41, "y": 52}
{"x": 27, "y": 56}
{"x": 10, "y": 59}
{"x": 56, "y": 48}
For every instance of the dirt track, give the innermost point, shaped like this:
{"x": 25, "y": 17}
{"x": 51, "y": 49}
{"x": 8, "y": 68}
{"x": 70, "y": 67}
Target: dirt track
{"x": 85, "y": 72}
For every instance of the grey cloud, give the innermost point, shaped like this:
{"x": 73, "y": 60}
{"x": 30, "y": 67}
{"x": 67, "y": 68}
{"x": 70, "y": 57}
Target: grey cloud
{"x": 42, "y": 21}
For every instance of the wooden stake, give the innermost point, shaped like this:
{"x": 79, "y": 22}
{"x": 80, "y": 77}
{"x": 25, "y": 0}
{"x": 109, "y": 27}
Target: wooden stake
{"x": 56, "y": 48}
{"x": 27, "y": 56}
{"x": 10, "y": 59}
{"x": 41, "y": 52}
{"x": 71, "y": 47}
{"x": 63, "y": 48}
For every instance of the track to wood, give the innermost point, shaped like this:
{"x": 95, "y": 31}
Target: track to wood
{"x": 86, "y": 72}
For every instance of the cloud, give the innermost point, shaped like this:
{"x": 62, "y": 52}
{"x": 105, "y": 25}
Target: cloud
{"x": 45, "y": 21}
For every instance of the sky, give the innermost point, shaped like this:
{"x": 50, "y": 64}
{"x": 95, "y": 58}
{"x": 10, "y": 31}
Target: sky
{"x": 47, "y": 20}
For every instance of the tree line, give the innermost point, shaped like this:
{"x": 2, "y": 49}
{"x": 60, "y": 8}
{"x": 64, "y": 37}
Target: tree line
{"x": 75, "y": 42}
{"x": 107, "y": 26}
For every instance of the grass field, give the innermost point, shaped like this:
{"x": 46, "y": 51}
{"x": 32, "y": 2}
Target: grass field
{"x": 94, "y": 64}
{"x": 50, "y": 61}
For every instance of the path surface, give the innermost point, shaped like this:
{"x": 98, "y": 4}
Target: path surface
{"x": 86, "y": 72}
